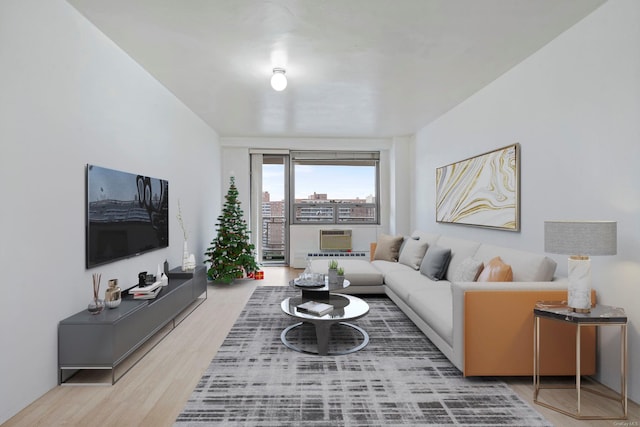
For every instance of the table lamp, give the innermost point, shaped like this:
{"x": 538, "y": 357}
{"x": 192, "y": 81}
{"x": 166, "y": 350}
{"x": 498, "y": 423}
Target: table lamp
{"x": 580, "y": 239}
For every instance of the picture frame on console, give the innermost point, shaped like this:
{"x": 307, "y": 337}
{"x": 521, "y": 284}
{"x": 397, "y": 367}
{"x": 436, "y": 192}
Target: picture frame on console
{"x": 481, "y": 191}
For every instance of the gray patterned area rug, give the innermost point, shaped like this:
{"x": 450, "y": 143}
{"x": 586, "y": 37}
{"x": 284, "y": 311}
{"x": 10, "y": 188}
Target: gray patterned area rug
{"x": 400, "y": 378}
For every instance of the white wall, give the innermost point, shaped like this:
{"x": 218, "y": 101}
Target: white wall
{"x": 70, "y": 97}
{"x": 574, "y": 107}
{"x": 395, "y": 187}
{"x": 401, "y": 185}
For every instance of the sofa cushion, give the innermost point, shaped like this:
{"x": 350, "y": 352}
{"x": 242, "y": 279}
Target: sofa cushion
{"x": 434, "y": 305}
{"x": 412, "y": 252}
{"x": 461, "y": 249}
{"x": 388, "y": 247}
{"x": 435, "y": 262}
{"x": 407, "y": 281}
{"x": 467, "y": 271}
{"x": 526, "y": 266}
{"x": 357, "y": 271}
{"x": 386, "y": 267}
{"x": 496, "y": 271}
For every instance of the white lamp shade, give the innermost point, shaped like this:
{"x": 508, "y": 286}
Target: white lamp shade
{"x": 278, "y": 80}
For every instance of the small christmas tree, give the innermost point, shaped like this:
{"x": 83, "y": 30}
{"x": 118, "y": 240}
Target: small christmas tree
{"x": 230, "y": 254}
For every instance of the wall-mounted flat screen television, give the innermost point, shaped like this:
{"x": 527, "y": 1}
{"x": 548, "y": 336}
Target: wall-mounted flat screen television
{"x": 126, "y": 215}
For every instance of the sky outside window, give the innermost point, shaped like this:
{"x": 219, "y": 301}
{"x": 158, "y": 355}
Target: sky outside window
{"x": 336, "y": 181}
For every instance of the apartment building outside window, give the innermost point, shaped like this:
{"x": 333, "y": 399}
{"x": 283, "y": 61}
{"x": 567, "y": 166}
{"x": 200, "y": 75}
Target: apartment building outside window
{"x": 335, "y": 187}
{"x": 313, "y": 188}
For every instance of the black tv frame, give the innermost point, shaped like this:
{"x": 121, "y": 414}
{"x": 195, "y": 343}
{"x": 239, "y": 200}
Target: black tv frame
{"x": 126, "y": 215}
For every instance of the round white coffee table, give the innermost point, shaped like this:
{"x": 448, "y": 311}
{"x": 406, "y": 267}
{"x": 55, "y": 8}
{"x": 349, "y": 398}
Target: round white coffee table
{"x": 345, "y": 308}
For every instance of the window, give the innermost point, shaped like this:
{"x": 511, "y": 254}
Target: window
{"x": 335, "y": 187}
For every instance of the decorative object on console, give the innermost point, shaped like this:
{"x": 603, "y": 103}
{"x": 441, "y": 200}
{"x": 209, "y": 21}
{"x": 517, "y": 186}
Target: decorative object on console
{"x": 483, "y": 190}
{"x": 96, "y": 305}
{"x": 142, "y": 279}
{"x": 185, "y": 235}
{"x": 191, "y": 263}
{"x": 340, "y": 276}
{"x": 231, "y": 254}
{"x": 113, "y": 294}
{"x": 148, "y": 291}
{"x": 164, "y": 280}
{"x": 579, "y": 239}
{"x": 185, "y": 256}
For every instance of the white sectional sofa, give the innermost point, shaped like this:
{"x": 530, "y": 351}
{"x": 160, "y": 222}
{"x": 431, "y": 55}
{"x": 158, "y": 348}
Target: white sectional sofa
{"x": 483, "y": 328}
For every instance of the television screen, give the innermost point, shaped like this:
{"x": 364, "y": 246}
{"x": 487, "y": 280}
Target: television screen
{"x": 127, "y": 215}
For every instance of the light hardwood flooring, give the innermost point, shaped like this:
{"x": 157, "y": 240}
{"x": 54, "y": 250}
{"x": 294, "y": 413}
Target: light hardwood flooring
{"x": 156, "y": 389}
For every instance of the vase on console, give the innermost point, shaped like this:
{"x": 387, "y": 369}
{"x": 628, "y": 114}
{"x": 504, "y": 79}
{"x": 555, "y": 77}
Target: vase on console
{"x": 185, "y": 256}
{"x": 96, "y": 305}
{"x": 113, "y": 294}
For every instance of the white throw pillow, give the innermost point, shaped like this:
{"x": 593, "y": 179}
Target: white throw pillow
{"x": 468, "y": 270}
{"x": 412, "y": 252}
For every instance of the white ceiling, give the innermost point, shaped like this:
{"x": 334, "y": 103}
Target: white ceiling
{"x": 356, "y": 68}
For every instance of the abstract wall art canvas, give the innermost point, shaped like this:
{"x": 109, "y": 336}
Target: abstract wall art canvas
{"x": 481, "y": 191}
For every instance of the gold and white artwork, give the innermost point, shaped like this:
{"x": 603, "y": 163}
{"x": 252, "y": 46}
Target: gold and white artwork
{"x": 481, "y": 191}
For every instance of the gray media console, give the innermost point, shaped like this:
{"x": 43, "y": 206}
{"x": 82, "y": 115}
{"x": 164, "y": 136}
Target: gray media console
{"x": 105, "y": 340}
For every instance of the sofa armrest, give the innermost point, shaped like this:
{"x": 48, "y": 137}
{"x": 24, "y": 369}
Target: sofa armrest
{"x": 459, "y": 289}
{"x": 493, "y": 323}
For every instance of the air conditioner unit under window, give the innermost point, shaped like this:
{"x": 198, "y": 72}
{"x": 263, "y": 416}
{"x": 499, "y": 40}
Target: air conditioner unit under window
{"x": 335, "y": 240}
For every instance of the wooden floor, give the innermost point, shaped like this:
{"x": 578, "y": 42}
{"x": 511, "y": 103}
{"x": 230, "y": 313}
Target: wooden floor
{"x": 155, "y": 390}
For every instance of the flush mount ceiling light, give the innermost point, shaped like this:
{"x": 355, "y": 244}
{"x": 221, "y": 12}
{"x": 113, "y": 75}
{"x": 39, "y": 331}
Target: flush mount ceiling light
{"x": 279, "y": 80}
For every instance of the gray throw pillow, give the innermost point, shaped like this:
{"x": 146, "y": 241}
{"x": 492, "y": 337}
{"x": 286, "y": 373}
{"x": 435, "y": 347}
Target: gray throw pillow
{"x": 412, "y": 252}
{"x": 435, "y": 262}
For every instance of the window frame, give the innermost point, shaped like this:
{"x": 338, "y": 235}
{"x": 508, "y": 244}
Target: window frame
{"x": 334, "y": 158}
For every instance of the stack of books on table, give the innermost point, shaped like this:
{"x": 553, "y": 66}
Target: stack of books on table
{"x": 146, "y": 292}
{"x": 315, "y": 308}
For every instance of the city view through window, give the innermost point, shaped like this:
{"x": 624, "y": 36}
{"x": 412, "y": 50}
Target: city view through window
{"x": 324, "y": 194}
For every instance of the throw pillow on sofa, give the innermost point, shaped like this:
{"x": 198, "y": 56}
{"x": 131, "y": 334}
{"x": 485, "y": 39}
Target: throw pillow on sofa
{"x": 435, "y": 262}
{"x": 468, "y": 270}
{"x": 387, "y": 247}
{"x": 412, "y": 252}
{"x": 496, "y": 271}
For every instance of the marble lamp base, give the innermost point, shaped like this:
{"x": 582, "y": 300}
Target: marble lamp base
{"x": 580, "y": 284}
